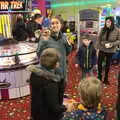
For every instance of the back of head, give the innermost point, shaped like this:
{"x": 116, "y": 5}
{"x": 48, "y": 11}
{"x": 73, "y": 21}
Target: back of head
{"x": 49, "y": 58}
{"x": 36, "y": 16}
{"x": 90, "y": 90}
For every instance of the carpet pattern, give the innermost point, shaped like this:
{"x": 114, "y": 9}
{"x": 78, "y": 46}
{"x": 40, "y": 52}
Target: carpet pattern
{"x": 19, "y": 109}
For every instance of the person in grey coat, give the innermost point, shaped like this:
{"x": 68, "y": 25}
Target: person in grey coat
{"x": 58, "y": 41}
{"x": 108, "y": 40}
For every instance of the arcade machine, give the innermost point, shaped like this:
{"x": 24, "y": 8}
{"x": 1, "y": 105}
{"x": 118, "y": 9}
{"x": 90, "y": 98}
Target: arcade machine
{"x": 14, "y": 56}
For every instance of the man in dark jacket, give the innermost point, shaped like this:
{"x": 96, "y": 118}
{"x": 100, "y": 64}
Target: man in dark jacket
{"x": 45, "y": 93}
{"x": 34, "y": 25}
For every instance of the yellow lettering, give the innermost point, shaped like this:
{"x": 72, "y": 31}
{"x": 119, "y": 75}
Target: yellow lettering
{"x": 16, "y": 5}
{"x": 13, "y": 5}
{"x": 20, "y": 4}
{"x": 4, "y": 5}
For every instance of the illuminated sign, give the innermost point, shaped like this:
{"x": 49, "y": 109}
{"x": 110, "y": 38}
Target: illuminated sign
{"x": 11, "y": 5}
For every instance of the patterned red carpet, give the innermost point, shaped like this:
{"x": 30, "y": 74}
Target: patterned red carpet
{"x": 19, "y": 109}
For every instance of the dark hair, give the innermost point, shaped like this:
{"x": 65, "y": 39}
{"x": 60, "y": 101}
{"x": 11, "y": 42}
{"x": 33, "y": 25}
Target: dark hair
{"x": 49, "y": 58}
{"x": 86, "y": 36}
{"x": 112, "y": 24}
{"x": 36, "y": 16}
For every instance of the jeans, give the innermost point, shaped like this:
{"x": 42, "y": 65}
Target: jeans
{"x": 86, "y": 72}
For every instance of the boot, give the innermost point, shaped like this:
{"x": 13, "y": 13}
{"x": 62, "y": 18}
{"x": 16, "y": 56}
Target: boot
{"x": 106, "y": 82}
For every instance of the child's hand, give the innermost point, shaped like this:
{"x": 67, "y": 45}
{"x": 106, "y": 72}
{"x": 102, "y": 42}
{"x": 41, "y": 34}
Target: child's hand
{"x": 76, "y": 65}
{"x": 70, "y": 107}
{"x": 97, "y": 53}
{"x": 69, "y": 104}
{"x": 95, "y": 67}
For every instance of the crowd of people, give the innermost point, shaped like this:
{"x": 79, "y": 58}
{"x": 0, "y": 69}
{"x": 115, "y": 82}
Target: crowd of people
{"x": 49, "y": 78}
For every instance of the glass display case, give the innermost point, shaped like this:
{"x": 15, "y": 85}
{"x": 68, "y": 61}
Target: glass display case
{"x": 13, "y": 60}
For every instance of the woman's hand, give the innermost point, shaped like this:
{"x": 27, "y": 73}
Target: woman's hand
{"x": 46, "y": 33}
{"x": 108, "y": 45}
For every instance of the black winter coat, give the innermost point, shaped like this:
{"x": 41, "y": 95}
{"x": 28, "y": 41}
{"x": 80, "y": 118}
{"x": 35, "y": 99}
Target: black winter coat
{"x": 32, "y": 26}
{"x": 45, "y": 95}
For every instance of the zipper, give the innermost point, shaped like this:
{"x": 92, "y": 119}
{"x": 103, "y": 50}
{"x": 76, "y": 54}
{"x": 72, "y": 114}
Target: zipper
{"x": 87, "y": 56}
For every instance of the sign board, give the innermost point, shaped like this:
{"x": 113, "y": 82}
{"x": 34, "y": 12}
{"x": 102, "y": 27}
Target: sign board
{"x": 12, "y": 5}
{"x": 89, "y": 14}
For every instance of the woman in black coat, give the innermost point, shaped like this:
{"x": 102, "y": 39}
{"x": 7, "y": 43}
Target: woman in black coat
{"x": 108, "y": 40}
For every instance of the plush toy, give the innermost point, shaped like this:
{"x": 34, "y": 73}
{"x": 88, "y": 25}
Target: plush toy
{"x": 70, "y": 36}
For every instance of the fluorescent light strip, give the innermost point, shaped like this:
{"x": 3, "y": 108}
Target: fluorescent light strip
{"x": 80, "y": 3}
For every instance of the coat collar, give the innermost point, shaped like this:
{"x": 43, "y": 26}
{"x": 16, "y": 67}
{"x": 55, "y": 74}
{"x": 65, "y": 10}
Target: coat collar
{"x": 54, "y": 36}
{"x": 43, "y": 72}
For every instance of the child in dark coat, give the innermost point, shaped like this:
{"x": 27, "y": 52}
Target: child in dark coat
{"x": 45, "y": 103}
{"x": 86, "y": 56}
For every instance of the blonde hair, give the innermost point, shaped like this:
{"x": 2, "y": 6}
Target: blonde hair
{"x": 90, "y": 90}
{"x": 49, "y": 58}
